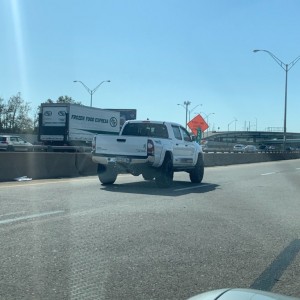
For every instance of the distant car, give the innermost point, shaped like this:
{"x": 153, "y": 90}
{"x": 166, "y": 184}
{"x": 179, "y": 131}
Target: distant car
{"x": 250, "y": 149}
{"x": 290, "y": 149}
{"x": 238, "y": 148}
{"x": 271, "y": 148}
{"x": 263, "y": 148}
{"x": 14, "y": 143}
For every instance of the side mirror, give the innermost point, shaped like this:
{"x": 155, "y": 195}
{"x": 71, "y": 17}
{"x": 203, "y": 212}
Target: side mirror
{"x": 193, "y": 137}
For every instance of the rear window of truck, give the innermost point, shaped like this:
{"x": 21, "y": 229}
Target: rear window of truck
{"x": 146, "y": 129}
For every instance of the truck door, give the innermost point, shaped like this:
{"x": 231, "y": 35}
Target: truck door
{"x": 189, "y": 146}
{"x": 184, "y": 148}
{"x": 181, "y": 148}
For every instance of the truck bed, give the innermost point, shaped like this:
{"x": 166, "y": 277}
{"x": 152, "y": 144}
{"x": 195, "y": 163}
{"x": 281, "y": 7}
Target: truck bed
{"x": 112, "y": 145}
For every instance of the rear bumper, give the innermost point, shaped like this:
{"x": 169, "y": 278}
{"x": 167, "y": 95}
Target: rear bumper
{"x": 122, "y": 160}
{"x": 125, "y": 165}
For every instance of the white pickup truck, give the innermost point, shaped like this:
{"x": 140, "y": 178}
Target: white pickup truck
{"x": 151, "y": 148}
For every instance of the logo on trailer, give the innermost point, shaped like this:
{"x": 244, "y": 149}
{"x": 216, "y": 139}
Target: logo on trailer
{"x": 113, "y": 122}
{"x": 61, "y": 113}
{"x": 48, "y": 113}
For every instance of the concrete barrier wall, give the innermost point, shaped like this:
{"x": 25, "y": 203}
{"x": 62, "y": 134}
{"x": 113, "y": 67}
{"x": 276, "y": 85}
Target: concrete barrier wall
{"x": 225, "y": 159}
{"x": 84, "y": 164}
{"x": 39, "y": 165}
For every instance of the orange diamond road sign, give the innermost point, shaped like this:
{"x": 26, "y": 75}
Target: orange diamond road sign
{"x": 197, "y": 122}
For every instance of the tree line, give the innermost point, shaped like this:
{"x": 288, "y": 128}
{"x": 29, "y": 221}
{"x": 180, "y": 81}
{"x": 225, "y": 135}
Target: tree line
{"x": 16, "y": 114}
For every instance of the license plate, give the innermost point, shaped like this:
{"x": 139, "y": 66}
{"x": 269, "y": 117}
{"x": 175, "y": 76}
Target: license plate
{"x": 122, "y": 159}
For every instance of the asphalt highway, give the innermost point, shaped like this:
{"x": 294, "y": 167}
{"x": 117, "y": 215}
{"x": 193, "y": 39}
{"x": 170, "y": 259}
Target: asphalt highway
{"x": 76, "y": 239}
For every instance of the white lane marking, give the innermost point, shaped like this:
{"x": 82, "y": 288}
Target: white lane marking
{"x": 49, "y": 213}
{"x": 193, "y": 187}
{"x": 297, "y": 168}
{"x": 270, "y": 173}
{"x": 53, "y": 181}
{"x": 49, "y": 181}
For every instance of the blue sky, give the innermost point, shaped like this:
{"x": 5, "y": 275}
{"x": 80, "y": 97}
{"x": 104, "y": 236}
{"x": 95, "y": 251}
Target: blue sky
{"x": 157, "y": 54}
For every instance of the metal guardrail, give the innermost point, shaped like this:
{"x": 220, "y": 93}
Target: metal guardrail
{"x": 242, "y": 152}
{"x": 85, "y": 149}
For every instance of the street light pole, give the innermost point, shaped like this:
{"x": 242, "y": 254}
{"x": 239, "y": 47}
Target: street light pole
{"x": 206, "y": 116}
{"x": 91, "y": 92}
{"x": 185, "y": 105}
{"x": 235, "y": 120}
{"x": 191, "y": 110}
{"x": 286, "y": 68}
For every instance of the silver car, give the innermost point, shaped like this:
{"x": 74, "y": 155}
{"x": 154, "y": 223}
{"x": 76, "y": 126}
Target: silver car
{"x": 238, "y": 148}
{"x": 14, "y": 143}
{"x": 250, "y": 149}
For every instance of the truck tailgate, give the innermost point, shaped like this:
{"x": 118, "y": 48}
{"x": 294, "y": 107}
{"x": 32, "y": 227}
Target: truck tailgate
{"x": 116, "y": 145}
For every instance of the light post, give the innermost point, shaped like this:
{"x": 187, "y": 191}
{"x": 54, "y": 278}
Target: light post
{"x": 91, "y": 92}
{"x": 185, "y": 105}
{"x": 286, "y": 68}
{"x": 206, "y": 116}
{"x": 191, "y": 110}
{"x": 235, "y": 120}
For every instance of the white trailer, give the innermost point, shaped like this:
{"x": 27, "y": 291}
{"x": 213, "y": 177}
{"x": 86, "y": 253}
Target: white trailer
{"x": 73, "y": 124}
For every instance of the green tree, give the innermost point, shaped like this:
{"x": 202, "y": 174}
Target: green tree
{"x": 63, "y": 99}
{"x": 14, "y": 115}
{"x": 67, "y": 99}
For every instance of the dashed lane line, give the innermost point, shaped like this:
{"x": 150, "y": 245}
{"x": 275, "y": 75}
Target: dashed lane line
{"x": 269, "y": 173}
{"x": 18, "y": 219}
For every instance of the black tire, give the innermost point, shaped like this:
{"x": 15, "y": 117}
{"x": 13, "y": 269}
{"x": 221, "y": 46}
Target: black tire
{"x": 106, "y": 174}
{"x": 165, "y": 174}
{"x": 196, "y": 175}
{"x": 148, "y": 176}
{"x": 10, "y": 148}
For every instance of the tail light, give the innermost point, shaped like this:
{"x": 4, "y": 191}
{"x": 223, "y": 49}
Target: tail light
{"x": 150, "y": 148}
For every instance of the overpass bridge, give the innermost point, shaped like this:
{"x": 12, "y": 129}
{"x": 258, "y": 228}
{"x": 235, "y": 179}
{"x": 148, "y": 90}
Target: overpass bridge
{"x": 227, "y": 139}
